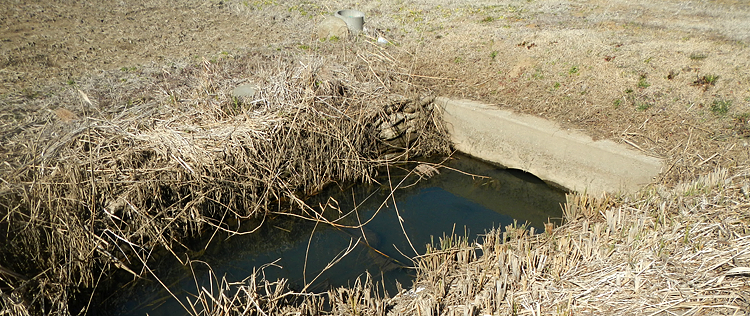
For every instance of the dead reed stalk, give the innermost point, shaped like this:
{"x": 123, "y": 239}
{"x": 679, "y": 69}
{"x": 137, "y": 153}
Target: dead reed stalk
{"x": 149, "y": 160}
{"x": 682, "y": 251}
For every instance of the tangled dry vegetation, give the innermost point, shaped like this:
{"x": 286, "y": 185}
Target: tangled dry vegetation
{"x": 99, "y": 176}
{"x": 683, "y": 251}
{"x": 668, "y": 252}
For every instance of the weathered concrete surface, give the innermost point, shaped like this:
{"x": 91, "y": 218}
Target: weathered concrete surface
{"x": 569, "y": 159}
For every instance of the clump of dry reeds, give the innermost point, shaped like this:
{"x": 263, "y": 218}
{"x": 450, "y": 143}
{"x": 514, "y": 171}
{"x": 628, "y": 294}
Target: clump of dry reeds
{"x": 258, "y": 296}
{"x": 683, "y": 251}
{"x": 98, "y": 176}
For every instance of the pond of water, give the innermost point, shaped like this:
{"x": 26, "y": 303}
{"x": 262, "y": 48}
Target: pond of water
{"x": 451, "y": 202}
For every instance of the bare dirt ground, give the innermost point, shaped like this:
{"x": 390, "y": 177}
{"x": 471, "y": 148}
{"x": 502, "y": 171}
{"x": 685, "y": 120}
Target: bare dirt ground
{"x": 49, "y": 41}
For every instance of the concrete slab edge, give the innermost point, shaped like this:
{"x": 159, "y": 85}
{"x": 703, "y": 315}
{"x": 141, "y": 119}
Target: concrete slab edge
{"x": 566, "y": 158}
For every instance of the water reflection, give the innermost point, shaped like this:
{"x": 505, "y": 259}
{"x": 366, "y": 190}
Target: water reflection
{"x": 448, "y": 203}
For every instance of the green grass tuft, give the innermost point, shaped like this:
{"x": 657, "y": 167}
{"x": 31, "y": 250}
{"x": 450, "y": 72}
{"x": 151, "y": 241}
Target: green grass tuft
{"x": 720, "y": 107}
{"x": 642, "y": 106}
{"x": 642, "y": 83}
{"x": 698, "y": 56}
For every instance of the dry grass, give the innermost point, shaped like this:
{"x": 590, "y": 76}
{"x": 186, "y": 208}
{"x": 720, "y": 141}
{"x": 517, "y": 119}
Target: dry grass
{"x": 143, "y": 157}
{"x": 679, "y": 253}
{"x": 101, "y": 175}
{"x": 630, "y": 71}
{"x": 683, "y": 251}
{"x": 257, "y": 296}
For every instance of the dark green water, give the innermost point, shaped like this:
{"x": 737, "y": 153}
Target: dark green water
{"x": 445, "y": 204}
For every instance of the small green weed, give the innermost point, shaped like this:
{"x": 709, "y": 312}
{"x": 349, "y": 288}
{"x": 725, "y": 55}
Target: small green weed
{"x": 557, "y": 85}
{"x": 493, "y": 54}
{"x": 408, "y": 15}
{"x": 236, "y": 104}
{"x": 642, "y": 83}
{"x": 258, "y": 4}
{"x": 617, "y": 103}
{"x": 698, "y": 56}
{"x": 711, "y": 79}
{"x": 573, "y": 70}
{"x": 173, "y": 98}
{"x": 488, "y": 19}
{"x": 642, "y": 106}
{"x": 706, "y": 80}
{"x": 720, "y": 107}
{"x": 303, "y": 47}
{"x": 686, "y": 239}
{"x": 71, "y": 82}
